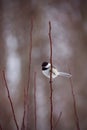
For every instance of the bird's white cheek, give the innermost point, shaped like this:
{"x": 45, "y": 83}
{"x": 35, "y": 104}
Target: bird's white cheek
{"x": 48, "y": 66}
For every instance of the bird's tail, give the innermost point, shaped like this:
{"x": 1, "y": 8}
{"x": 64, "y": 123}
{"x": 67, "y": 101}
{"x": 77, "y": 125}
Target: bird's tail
{"x": 67, "y": 75}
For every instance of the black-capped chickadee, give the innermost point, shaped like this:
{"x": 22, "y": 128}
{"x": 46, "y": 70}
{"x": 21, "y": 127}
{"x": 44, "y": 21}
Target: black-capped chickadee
{"x": 46, "y": 69}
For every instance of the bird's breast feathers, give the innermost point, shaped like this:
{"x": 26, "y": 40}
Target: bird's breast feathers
{"x": 47, "y": 72}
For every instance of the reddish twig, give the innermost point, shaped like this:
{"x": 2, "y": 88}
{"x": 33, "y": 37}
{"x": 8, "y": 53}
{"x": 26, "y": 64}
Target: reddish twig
{"x": 74, "y": 104}
{"x": 26, "y": 96}
{"x": 9, "y": 97}
{"x": 30, "y": 53}
{"x": 51, "y": 93}
{"x": 35, "y": 100}
{"x": 29, "y": 73}
{"x": 57, "y": 120}
{"x": 1, "y": 127}
{"x": 23, "y": 121}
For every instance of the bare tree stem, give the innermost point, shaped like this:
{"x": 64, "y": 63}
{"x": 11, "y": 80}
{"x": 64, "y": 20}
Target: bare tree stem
{"x": 9, "y": 97}
{"x": 51, "y": 92}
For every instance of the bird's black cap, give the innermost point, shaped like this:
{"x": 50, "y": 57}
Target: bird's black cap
{"x": 44, "y": 64}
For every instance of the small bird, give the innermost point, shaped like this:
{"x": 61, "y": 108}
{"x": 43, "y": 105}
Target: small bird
{"x": 46, "y": 69}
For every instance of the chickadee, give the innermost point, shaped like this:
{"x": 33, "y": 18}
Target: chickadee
{"x": 46, "y": 69}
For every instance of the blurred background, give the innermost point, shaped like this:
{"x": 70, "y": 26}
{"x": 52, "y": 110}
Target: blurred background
{"x": 69, "y": 36}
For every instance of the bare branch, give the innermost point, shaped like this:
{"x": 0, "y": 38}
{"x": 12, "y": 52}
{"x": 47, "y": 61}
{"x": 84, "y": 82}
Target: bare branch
{"x": 30, "y": 53}
{"x": 51, "y": 93}
{"x": 35, "y": 101}
{"x": 26, "y": 90}
{"x": 9, "y": 97}
{"x": 23, "y": 121}
{"x": 57, "y": 120}
{"x": 1, "y": 127}
{"x": 74, "y": 103}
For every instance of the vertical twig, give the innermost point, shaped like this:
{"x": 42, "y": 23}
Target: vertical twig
{"x": 24, "y": 114}
{"x": 9, "y": 97}
{"x": 51, "y": 93}
{"x": 26, "y": 89}
{"x": 57, "y": 121}
{"x": 74, "y": 103}
{"x": 1, "y": 127}
{"x": 29, "y": 70}
{"x": 30, "y": 53}
{"x": 35, "y": 101}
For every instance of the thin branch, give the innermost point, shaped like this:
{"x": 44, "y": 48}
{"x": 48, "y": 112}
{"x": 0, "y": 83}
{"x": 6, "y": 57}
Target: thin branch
{"x": 29, "y": 74}
{"x": 9, "y": 97}
{"x": 26, "y": 90}
{"x": 57, "y": 120}
{"x": 30, "y": 53}
{"x": 1, "y": 127}
{"x": 74, "y": 103}
{"x": 51, "y": 93}
{"x": 35, "y": 101}
{"x": 23, "y": 121}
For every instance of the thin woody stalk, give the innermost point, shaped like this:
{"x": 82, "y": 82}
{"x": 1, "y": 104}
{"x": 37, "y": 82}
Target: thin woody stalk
{"x": 74, "y": 104}
{"x": 30, "y": 53}
{"x": 9, "y": 97}
{"x": 26, "y": 90}
{"x": 57, "y": 122}
{"x": 35, "y": 101}
{"x": 1, "y": 127}
{"x": 29, "y": 74}
{"x": 51, "y": 93}
{"x": 23, "y": 120}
